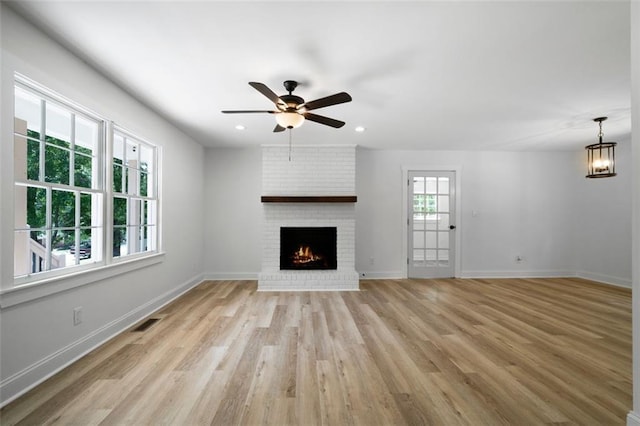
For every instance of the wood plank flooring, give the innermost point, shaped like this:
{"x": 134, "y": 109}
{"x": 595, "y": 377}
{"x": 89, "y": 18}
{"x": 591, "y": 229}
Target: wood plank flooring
{"x": 441, "y": 352}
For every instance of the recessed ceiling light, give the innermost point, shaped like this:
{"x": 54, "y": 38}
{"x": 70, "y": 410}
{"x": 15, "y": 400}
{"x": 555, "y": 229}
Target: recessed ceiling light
{"x": 360, "y": 129}
{"x": 240, "y": 127}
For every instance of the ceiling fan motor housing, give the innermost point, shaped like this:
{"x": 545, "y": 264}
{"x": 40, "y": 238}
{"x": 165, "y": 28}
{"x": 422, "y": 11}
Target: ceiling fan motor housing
{"x": 292, "y": 101}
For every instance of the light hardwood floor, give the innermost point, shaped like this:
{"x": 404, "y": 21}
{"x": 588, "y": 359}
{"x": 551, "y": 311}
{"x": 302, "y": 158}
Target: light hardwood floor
{"x": 443, "y": 352}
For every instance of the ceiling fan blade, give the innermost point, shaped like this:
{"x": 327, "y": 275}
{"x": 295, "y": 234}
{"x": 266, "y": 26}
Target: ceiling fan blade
{"x": 338, "y": 98}
{"x": 248, "y": 111}
{"x": 262, "y": 88}
{"x": 279, "y": 128}
{"x": 324, "y": 120}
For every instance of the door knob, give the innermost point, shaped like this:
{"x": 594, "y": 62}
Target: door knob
{"x": 452, "y": 227}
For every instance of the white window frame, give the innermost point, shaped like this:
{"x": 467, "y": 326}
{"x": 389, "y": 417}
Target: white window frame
{"x": 41, "y": 284}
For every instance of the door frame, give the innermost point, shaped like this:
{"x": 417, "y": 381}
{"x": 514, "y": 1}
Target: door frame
{"x": 405, "y": 212}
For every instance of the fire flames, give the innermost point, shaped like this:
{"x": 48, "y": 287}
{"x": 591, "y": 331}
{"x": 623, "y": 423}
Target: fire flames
{"x": 304, "y": 255}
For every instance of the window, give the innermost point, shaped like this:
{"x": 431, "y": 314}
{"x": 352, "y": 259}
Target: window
{"x": 134, "y": 195}
{"x": 65, "y": 188}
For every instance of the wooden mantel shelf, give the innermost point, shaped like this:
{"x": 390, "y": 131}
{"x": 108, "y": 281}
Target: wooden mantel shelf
{"x": 309, "y": 199}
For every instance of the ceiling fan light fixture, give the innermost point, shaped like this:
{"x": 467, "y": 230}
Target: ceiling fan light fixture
{"x": 289, "y": 120}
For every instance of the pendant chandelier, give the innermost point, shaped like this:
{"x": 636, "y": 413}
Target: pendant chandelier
{"x": 601, "y": 156}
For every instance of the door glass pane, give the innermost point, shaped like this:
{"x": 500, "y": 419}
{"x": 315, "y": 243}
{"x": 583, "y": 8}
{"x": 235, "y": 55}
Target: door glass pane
{"x": 443, "y": 240}
{"x": 443, "y": 203}
{"x": 418, "y": 224}
{"x": 418, "y": 240}
{"x": 443, "y": 258}
{"x": 443, "y": 185}
{"x": 432, "y": 185}
{"x": 432, "y": 257}
{"x": 418, "y": 185}
{"x": 418, "y": 255}
{"x": 430, "y": 239}
{"x": 443, "y": 221}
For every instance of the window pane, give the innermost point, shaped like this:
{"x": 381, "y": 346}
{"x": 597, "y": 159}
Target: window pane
{"x": 56, "y": 165}
{"x": 63, "y": 241}
{"x": 85, "y": 210}
{"x": 87, "y": 135}
{"x": 119, "y": 241}
{"x": 36, "y": 207}
{"x": 119, "y": 211}
{"x": 144, "y": 238}
{"x": 117, "y": 178}
{"x": 58, "y": 124}
{"x": 131, "y": 181}
{"x": 135, "y": 212}
{"x": 27, "y": 108}
{"x": 83, "y": 171}
{"x": 132, "y": 154}
{"x": 33, "y": 160}
{"x": 146, "y": 159}
{"x": 144, "y": 182}
{"x": 63, "y": 209}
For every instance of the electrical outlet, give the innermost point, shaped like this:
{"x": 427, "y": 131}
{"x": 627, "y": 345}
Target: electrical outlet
{"x": 77, "y": 315}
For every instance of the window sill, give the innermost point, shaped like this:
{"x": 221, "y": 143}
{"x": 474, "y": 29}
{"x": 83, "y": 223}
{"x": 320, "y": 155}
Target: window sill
{"x": 49, "y": 286}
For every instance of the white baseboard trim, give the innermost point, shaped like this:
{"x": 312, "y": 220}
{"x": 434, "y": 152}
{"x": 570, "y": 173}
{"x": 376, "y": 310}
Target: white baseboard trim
{"x": 517, "y": 274}
{"x": 633, "y": 419}
{"x": 381, "y": 275}
{"x": 225, "y": 276}
{"x": 605, "y": 279}
{"x": 18, "y": 384}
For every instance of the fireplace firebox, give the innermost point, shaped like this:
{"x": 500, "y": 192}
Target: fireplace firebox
{"x": 304, "y": 248}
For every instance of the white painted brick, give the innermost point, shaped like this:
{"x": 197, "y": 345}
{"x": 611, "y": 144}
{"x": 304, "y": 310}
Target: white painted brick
{"x": 313, "y": 170}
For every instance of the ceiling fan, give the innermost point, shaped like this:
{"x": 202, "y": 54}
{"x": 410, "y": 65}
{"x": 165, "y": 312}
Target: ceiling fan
{"x": 292, "y": 110}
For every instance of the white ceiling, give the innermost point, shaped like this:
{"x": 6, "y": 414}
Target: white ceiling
{"x": 423, "y": 75}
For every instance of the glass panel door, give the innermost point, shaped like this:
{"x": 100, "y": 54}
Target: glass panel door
{"x": 431, "y": 224}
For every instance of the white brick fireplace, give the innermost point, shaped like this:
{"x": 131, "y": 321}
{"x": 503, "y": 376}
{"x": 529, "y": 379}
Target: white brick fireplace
{"x": 316, "y": 188}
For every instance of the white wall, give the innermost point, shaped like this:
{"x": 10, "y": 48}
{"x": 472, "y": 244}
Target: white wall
{"x": 233, "y": 215}
{"x": 522, "y": 206}
{"x": 38, "y": 337}
{"x": 602, "y": 221}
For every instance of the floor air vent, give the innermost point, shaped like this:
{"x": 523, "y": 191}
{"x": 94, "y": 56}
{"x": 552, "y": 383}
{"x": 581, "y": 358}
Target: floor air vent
{"x": 145, "y": 325}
